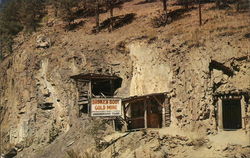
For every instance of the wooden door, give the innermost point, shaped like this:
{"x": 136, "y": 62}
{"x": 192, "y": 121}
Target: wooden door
{"x": 231, "y": 111}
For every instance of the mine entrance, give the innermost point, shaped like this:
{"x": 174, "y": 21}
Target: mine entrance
{"x": 148, "y": 111}
{"x": 105, "y": 87}
{"x": 95, "y": 86}
{"x": 145, "y": 114}
{"x": 154, "y": 114}
{"x": 231, "y": 111}
{"x": 137, "y": 115}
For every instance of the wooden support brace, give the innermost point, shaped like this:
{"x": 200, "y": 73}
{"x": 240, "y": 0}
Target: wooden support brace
{"x": 89, "y": 96}
{"x": 126, "y": 107}
{"x": 113, "y": 124}
{"x": 243, "y": 112}
{"x": 219, "y": 114}
{"x": 157, "y": 100}
{"x": 145, "y": 114}
{"x": 163, "y": 117}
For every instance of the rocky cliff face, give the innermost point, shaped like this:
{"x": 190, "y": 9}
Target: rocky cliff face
{"x": 38, "y": 100}
{"x": 151, "y": 70}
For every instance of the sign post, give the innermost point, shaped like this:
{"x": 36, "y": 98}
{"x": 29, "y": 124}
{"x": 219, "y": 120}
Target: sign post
{"x": 105, "y": 107}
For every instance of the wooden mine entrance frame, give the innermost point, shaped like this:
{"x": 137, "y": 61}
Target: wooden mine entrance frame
{"x": 90, "y": 80}
{"x": 138, "y": 113}
{"x": 231, "y": 99}
{"x": 222, "y": 98}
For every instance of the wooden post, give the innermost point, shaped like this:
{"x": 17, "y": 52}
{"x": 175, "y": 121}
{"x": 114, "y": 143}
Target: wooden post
{"x": 163, "y": 117}
{"x": 97, "y": 15}
{"x": 243, "y": 112}
{"x": 248, "y": 116}
{"x": 145, "y": 114}
{"x": 113, "y": 123}
{"x": 111, "y": 9}
{"x": 125, "y": 118}
{"x": 89, "y": 96}
{"x": 200, "y": 18}
{"x": 164, "y": 2}
{"x": 78, "y": 96}
{"x": 220, "y": 115}
{"x": 124, "y": 111}
{"x": 163, "y": 106}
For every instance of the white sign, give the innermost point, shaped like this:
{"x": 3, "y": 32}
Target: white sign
{"x": 106, "y": 107}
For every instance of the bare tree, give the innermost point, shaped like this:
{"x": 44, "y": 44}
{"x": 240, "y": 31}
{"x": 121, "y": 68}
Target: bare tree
{"x": 164, "y": 3}
{"x": 97, "y": 14}
{"x": 185, "y": 3}
{"x": 200, "y": 18}
{"x": 220, "y": 3}
{"x": 110, "y": 6}
{"x": 95, "y": 5}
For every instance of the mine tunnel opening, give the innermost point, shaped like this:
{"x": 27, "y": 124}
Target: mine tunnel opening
{"x": 232, "y": 110}
{"x": 92, "y": 85}
{"x": 231, "y": 114}
{"x": 104, "y": 87}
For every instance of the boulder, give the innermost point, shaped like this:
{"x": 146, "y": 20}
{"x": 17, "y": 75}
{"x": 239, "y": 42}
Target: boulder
{"x": 43, "y": 42}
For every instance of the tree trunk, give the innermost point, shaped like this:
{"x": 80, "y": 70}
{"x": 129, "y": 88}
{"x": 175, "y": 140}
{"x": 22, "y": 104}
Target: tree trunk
{"x": 217, "y": 3}
{"x": 238, "y": 6}
{"x": 200, "y": 18}
{"x": 56, "y": 11}
{"x": 111, "y": 17}
{"x": 56, "y": 6}
{"x": 97, "y": 16}
{"x": 164, "y": 2}
{"x": 187, "y": 4}
{"x": 33, "y": 22}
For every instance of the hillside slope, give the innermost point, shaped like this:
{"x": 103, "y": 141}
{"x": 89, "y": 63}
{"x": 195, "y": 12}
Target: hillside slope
{"x": 175, "y": 59}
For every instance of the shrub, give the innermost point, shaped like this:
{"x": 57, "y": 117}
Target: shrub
{"x": 9, "y": 26}
{"x": 30, "y": 13}
{"x": 160, "y": 20}
{"x": 66, "y": 9}
{"x": 15, "y": 15}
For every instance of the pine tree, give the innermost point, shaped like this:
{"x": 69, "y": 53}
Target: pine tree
{"x": 9, "y": 21}
{"x": 66, "y": 10}
{"x": 30, "y": 13}
{"x": 16, "y": 15}
{"x": 9, "y": 26}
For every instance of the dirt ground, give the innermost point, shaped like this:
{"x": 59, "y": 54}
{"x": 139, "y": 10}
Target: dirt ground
{"x": 224, "y": 36}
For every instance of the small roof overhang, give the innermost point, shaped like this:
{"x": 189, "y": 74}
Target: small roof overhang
{"x": 142, "y": 97}
{"x": 233, "y": 92}
{"x": 92, "y": 76}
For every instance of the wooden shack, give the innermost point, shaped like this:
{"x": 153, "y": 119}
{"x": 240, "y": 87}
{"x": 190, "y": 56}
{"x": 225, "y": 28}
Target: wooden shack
{"x": 147, "y": 111}
{"x": 92, "y": 85}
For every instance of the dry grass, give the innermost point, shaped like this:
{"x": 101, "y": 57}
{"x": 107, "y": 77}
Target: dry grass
{"x": 72, "y": 154}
